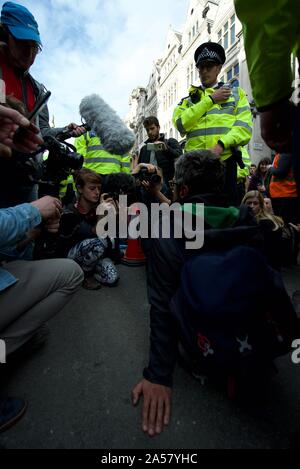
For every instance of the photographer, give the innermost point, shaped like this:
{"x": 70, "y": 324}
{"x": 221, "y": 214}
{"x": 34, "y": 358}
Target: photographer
{"x": 30, "y": 292}
{"x": 158, "y": 150}
{"x": 20, "y": 44}
{"x": 150, "y": 184}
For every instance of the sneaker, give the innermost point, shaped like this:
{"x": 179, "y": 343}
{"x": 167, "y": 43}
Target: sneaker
{"x": 11, "y": 410}
{"x": 90, "y": 283}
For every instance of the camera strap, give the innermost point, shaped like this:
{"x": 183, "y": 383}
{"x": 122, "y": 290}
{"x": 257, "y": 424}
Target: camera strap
{"x": 153, "y": 159}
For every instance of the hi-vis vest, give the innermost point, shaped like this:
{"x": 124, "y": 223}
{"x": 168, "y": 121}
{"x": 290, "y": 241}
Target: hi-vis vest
{"x": 282, "y": 187}
{"x": 203, "y": 123}
{"x": 98, "y": 159}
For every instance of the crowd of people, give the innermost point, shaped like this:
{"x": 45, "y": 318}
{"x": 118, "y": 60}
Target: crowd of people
{"x": 50, "y": 246}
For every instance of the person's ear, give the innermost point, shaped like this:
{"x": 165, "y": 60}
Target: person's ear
{"x": 79, "y": 189}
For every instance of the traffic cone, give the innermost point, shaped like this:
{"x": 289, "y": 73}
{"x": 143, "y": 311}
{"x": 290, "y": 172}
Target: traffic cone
{"x": 134, "y": 255}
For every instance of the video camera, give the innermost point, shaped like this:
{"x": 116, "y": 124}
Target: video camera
{"x": 144, "y": 175}
{"x": 62, "y": 159}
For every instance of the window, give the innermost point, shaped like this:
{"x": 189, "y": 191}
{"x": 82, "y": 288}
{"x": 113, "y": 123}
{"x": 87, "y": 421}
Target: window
{"x": 226, "y": 35}
{"x": 232, "y": 29}
{"x": 225, "y": 42}
{"x": 191, "y": 73}
{"x": 194, "y": 31}
{"x": 236, "y": 70}
{"x": 233, "y": 72}
{"x": 190, "y": 37}
{"x": 197, "y": 26}
{"x": 220, "y": 37}
{"x": 222, "y": 78}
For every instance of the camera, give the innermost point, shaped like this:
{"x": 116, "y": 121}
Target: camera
{"x": 145, "y": 175}
{"x": 62, "y": 160}
{"x": 155, "y": 146}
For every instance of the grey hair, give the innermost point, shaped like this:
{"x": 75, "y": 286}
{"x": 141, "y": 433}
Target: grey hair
{"x": 201, "y": 171}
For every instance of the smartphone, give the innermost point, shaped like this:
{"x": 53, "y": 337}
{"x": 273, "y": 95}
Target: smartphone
{"x": 40, "y": 103}
{"x": 155, "y": 146}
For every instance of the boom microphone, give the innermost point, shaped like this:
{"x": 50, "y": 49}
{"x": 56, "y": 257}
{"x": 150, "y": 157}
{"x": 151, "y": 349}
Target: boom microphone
{"x": 115, "y": 137}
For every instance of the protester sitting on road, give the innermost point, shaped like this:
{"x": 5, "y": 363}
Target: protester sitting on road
{"x": 78, "y": 239}
{"x": 280, "y": 239}
{"x": 194, "y": 170}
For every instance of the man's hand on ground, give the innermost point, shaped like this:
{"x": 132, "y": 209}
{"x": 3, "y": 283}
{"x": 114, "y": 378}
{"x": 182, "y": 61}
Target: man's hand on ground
{"x": 156, "y": 405}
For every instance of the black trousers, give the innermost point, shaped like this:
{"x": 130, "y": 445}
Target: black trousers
{"x": 230, "y": 186}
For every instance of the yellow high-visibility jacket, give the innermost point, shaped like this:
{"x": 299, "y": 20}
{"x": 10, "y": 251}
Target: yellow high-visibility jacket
{"x": 271, "y": 33}
{"x": 204, "y": 123}
{"x": 98, "y": 159}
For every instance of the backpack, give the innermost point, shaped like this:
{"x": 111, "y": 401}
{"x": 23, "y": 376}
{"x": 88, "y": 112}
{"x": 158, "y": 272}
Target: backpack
{"x": 232, "y": 309}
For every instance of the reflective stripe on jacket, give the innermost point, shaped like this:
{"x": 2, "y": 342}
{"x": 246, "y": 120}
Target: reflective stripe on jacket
{"x": 98, "y": 159}
{"x": 203, "y": 123}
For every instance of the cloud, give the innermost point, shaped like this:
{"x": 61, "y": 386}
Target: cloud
{"x": 99, "y": 46}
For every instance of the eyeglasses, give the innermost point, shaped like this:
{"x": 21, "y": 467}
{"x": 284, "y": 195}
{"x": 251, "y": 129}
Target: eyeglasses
{"x": 24, "y": 44}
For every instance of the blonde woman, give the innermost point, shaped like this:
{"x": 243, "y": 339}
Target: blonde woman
{"x": 280, "y": 240}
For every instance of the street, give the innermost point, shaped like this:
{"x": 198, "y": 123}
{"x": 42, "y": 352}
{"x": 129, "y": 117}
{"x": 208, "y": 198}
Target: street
{"x": 78, "y": 386}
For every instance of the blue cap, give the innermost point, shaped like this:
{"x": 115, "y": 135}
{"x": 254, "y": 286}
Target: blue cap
{"x": 20, "y": 22}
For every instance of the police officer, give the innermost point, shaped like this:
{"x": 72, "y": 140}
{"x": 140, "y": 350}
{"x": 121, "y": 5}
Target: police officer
{"x": 215, "y": 116}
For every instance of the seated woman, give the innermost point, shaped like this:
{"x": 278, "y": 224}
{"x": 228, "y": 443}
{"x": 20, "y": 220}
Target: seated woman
{"x": 260, "y": 179}
{"x": 78, "y": 237}
{"x": 280, "y": 239}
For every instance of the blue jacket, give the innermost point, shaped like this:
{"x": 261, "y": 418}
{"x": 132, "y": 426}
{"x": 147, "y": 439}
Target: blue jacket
{"x": 14, "y": 223}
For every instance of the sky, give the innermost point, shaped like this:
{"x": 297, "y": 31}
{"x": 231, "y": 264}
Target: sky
{"x": 99, "y": 46}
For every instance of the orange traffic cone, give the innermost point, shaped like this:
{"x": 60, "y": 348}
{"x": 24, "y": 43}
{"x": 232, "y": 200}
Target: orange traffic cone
{"x": 134, "y": 255}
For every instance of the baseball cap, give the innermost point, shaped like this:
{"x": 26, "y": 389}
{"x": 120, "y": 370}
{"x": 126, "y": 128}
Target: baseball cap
{"x": 20, "y": 22}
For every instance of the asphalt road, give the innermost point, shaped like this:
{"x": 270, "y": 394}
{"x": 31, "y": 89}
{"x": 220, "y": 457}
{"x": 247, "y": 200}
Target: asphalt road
{"x": 78, "y": 386}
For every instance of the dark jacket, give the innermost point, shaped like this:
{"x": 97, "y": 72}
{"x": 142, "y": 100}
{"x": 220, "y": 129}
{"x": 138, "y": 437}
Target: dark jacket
{"x": 166, "y": 260}
{"x": 165, "y": 159}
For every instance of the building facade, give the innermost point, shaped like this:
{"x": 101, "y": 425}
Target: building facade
{"x": 206, "y": 20}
